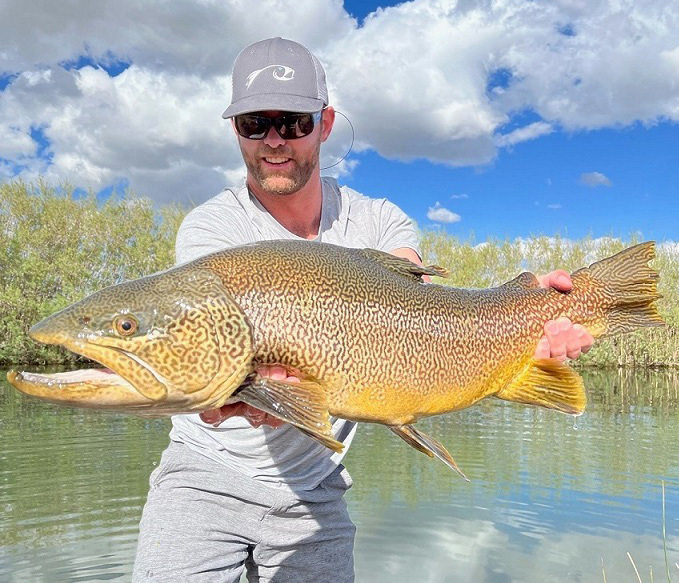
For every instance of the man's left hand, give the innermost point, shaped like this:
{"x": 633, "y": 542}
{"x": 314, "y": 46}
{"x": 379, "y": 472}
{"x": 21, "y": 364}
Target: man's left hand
{"x": 562, "y": 338}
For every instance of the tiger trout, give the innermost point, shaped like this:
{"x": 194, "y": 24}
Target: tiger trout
{"x": 368, "y": 339}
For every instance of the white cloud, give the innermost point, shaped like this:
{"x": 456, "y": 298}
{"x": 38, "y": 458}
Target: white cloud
{"x": 555, "y": 205}
{"x": 158, "y": 123}
{"x": 459, "y": 196}
{"x": 594, "y": 179}
{"x": 468, "y": 548}
{"x": 529, "y": 132}
{"x": 439, "y": 214}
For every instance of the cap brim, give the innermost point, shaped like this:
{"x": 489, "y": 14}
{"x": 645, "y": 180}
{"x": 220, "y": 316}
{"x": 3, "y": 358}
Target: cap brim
{"x": 275, "y": 102}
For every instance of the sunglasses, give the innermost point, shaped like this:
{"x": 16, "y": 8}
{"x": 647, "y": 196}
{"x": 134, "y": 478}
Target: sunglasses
{"x": 289, "y": 126}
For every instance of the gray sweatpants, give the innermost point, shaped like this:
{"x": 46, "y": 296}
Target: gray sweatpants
{"x": 205, "y": 523}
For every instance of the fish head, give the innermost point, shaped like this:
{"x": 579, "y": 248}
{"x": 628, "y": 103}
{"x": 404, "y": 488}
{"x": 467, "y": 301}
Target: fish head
{"x": 174, "y": 342}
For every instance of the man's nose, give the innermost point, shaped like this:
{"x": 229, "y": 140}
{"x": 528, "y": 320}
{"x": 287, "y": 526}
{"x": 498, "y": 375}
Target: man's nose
{"x": 273, "y": 139}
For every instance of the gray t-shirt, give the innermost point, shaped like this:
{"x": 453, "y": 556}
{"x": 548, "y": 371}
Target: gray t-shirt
{"x": 282, "y": 457}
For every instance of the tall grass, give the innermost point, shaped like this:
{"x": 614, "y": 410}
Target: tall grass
{"x": 57, "y": 246}
{"x": 494, "y": 262}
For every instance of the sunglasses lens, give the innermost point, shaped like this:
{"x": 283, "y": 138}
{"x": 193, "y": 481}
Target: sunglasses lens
{"x": 296, "y": 125}
{"x": 253, "y": 127}
{"x": 289, "y": 126}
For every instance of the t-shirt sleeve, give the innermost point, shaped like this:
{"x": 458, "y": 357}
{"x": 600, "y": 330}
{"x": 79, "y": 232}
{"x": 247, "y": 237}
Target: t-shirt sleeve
{"x": 209, "y": 228}
{"x": 394, "y": 228}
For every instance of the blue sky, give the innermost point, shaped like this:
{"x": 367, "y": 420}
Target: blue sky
{"x": 536, "y": 188}
{"x": 493, "y": 118}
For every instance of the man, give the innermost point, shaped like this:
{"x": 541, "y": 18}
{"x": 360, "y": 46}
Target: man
{"x": 236, "y": 488}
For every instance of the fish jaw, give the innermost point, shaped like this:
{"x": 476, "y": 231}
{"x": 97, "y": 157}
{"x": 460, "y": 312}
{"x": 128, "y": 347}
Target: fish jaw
{"x": 127, "y": 384}
{"x": 93, "y": 388}
{"x": 90, "y": 388}
{"x": 190, "y": 348}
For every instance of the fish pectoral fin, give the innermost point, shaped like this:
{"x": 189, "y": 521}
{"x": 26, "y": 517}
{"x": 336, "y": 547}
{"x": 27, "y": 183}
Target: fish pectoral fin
{"x": 548, "y": 383}
{"x": 301, "y": 404}
{"x": 427, "y": 445}
{"x": 403, "y": 266}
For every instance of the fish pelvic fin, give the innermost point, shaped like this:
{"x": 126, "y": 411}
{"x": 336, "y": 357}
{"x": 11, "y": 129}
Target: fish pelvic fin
{"x": 427, "y": 445}
{"x": 549, "y": 383}
{"x": 301, "y": 404}
{"x": 627, "y": 285}
{"x": 402, "y": 266}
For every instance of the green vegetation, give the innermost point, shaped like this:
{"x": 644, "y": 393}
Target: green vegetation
{"x": 57, "y": 246}
{"x": 492, "y": 263}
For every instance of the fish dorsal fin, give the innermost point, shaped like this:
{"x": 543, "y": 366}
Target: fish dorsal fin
{"x": 525, "y": 280}
{"x": 301, "y": 404}
{"x": 546, "y": 382}
{"x": 403, "y": 266}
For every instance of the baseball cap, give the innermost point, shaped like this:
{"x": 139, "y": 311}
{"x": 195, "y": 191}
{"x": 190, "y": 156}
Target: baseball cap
{"x": 279, "y": 74}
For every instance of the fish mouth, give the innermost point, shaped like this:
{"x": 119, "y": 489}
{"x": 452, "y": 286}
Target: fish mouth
{"x": 92, "y": 388}
{"x": 97, "y": 388}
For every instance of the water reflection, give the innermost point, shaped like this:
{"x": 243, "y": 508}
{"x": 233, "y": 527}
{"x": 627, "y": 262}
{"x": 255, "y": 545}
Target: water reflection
{"x": 551, "y": 496}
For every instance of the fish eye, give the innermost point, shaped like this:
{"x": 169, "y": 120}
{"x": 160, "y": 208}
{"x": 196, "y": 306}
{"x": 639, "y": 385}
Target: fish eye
{"x": 125, "y": 325}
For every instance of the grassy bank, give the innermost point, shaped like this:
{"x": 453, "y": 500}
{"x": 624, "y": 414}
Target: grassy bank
{"x": 494, "y": 262}
{"x": 57, "y": 246}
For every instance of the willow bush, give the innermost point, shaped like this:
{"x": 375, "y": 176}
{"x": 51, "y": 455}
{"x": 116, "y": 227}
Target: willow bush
{"x": 494, "y": 262}
{"x": 57, "y": 246}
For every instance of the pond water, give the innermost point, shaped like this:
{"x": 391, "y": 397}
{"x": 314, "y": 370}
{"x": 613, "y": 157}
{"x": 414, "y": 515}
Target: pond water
{"x": 551, "y": 497}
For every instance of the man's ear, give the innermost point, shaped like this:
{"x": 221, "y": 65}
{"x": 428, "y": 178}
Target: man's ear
{"x": 327, "y": 121}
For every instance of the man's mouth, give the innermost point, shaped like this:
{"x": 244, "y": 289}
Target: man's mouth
{"x": 276, "y": 160}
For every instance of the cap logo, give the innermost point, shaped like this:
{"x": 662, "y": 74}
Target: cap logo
{"x": 280, "y": 72}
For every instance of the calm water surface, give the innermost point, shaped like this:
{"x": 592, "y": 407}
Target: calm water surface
{"x": 551, "y": 498}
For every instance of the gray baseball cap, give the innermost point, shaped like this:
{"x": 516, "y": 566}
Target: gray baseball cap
{"x": 279, "y": 74}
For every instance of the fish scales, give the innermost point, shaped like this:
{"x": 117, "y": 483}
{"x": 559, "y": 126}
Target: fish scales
{"x": 367, "y": 338}
{"x": 362, "y": 303}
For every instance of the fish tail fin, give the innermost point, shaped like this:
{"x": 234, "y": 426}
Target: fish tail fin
{"x": 547, "y": 383}
{"x": 619, "y": 292}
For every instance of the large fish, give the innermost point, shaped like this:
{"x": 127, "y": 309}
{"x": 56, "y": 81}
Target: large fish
{"x": 368, "y": 339}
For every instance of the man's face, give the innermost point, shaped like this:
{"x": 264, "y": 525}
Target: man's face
{"x": 281, "y": 166}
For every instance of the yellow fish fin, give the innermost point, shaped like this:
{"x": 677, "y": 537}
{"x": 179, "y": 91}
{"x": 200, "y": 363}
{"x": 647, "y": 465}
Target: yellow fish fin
{"x": 402, "y": 266}
{"x": 548, "y": 383}
{"x": 301, "y": 404}
{"x": 428, "y": 445}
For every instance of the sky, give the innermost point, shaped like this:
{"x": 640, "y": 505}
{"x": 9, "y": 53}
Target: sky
{"x": 482, "y": 118}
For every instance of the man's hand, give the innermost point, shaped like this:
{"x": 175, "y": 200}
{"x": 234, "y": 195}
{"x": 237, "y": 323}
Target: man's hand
{"x": 562, "y": 338}
{"x": 255, "y": 417}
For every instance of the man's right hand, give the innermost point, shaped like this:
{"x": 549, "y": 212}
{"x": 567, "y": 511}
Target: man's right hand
{"x": 255, "y": 417}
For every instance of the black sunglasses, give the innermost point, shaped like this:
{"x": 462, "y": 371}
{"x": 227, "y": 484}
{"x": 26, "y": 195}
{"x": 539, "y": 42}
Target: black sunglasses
{"x": 289, "y": 126}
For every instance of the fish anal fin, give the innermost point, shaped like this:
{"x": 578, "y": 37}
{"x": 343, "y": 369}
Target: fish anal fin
{"x": 301, "y": 404}
{"x": 549, "y": 383}
{"x": 426, "y": 444}
{"x": 403, "y": 266}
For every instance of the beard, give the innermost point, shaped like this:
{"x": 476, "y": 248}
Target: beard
{"x": 286, "y": 181}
